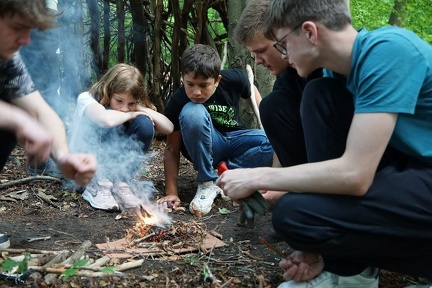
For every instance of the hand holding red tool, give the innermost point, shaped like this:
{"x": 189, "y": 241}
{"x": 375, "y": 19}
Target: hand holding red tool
{"x": 249, "y": 205}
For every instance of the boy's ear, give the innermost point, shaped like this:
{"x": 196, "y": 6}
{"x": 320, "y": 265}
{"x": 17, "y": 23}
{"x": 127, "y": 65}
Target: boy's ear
{"x": 218, "y": 80}
{"x": 311, "y": 31}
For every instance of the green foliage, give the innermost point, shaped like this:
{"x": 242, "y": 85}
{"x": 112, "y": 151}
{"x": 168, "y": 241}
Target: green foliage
{"x": 109, "y": 269}
{"x": 20, "y": 267}
{"x": 224, "y": 211}
{"x": 415, "y": 15}
{"x": 191, "y": 260}
{"x": 72, "y": 271}
{"x": 206, "y": 273}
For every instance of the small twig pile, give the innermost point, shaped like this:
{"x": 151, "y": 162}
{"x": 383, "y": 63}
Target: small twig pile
{"x": 178, "y": 234}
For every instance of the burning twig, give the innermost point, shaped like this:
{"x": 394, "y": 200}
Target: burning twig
{"x": 144, "y": 238}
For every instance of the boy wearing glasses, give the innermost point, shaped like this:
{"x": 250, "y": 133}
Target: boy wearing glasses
{"x": 280, "y": 110}
{"x": 364, "y": 199}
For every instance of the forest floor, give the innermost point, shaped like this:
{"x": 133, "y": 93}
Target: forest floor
{"x": 40, "y": 208}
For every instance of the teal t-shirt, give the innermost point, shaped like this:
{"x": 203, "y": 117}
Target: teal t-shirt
{"x": 392, "y": 73}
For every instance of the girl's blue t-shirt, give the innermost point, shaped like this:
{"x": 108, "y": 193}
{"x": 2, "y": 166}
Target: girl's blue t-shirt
{"x": 392, "y": 73}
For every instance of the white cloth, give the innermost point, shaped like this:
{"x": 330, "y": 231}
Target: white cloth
{"x": 83, "y": 101}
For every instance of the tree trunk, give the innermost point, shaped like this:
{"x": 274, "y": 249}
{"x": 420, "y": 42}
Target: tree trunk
{"x": 94, "y": 35}
{"x": 156, "y": 57}
{"x": 121, "y": 31}
{"x": 239, "y": 57}
{"x": 107, "y": 36}
{"x": 139, "y": 35}
{"x": 175, "y": 51}
{"x": 397, "y": 16}
{"x": 75, "y": 75}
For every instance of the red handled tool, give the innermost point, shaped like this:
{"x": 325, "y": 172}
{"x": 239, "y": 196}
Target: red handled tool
{"x": 222, "y": 167}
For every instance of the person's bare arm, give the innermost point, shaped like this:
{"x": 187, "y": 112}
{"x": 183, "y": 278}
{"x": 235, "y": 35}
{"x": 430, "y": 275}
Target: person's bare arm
{"x": 351, "y": 174}
{"x": 171, "y": 166}
{"x": 35, "y": 138}
{"x": 108, "y": 118}
{"x": 79, "y": 167}
{"x": 36, "y": 106}
{"x": 161, "y": 122}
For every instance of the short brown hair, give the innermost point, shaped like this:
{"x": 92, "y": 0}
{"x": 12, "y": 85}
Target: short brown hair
{"x": 251, "y": 21}
{"x": 35, "y": 11}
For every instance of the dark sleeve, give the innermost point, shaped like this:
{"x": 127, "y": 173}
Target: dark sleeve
{"x": 174, "y": 106}
{"x": 238, "y": 80}
{"x": 15, "y": 81}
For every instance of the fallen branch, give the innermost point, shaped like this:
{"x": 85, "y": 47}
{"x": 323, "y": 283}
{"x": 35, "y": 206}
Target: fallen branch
{"x": 28, "y": 179}
{"x": 51, "y": 277}
{"x": 30, "y": 250}
{"x": 89, "y": 272}
{"x": 129, "y": 265}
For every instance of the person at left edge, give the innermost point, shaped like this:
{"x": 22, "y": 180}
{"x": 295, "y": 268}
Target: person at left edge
{"x": 25, "y": 117}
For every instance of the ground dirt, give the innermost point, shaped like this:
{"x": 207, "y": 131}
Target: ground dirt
{"x": 69, "y": 221}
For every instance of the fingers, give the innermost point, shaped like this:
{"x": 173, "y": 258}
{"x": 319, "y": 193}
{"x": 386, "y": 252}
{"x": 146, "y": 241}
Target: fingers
{"x": 170, "y": 201}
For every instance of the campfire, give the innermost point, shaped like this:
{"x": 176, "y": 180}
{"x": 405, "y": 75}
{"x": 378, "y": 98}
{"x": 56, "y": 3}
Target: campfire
{"x": 176, "y": 235}
{"x": 148, "y": 237}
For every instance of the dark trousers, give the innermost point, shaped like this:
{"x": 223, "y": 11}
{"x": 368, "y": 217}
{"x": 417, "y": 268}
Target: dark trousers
{"x": 8, "y": 142}
{"x": 389, "y": 227}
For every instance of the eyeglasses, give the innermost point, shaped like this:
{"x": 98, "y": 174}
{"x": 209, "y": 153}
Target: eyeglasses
{"x": 280, "y": 47}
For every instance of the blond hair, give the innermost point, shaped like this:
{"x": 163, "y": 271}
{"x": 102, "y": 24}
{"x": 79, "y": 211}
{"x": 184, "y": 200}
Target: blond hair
{"x": 119, "y": 79}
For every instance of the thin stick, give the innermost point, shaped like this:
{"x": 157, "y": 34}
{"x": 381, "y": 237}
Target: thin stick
{"x": 253, "y": 99}
{"x": 280, "y": 253}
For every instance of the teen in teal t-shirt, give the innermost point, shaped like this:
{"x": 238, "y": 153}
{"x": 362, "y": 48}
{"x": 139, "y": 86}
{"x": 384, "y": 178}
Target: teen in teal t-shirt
{"x": 401, "y": 84}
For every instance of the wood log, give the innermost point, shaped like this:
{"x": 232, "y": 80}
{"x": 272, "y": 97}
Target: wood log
{"x": 51, "y": 277}
{"x": 29, "y": 250}
{"x": 129, "y": 265}
{"x": 85, "y": 273}
{"x": 58, "y": 258}
{"x": 100, "y": 262}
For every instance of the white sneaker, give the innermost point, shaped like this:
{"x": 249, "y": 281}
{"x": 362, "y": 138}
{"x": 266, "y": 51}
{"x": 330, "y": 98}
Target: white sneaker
{"x": 99, "y": 195}
{"x": 202, "y": 203}
{"x": 330, "y": 280}
{"x": 4, "y": 241}
{"x": 127, "y": 197}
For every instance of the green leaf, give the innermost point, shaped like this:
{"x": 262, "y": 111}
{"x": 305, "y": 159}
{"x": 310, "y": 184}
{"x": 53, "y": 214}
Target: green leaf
{"x": 109, "y": 270}
{"x": 191, "y": 260}
{"x": 80, "y": 263}
{"x": 74, "y": 269}
{"x": 8, "y": 265}
{"x": 23, "y": 265}
{"x": 224, "y": 211}
{"x": 69, "y": 273}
